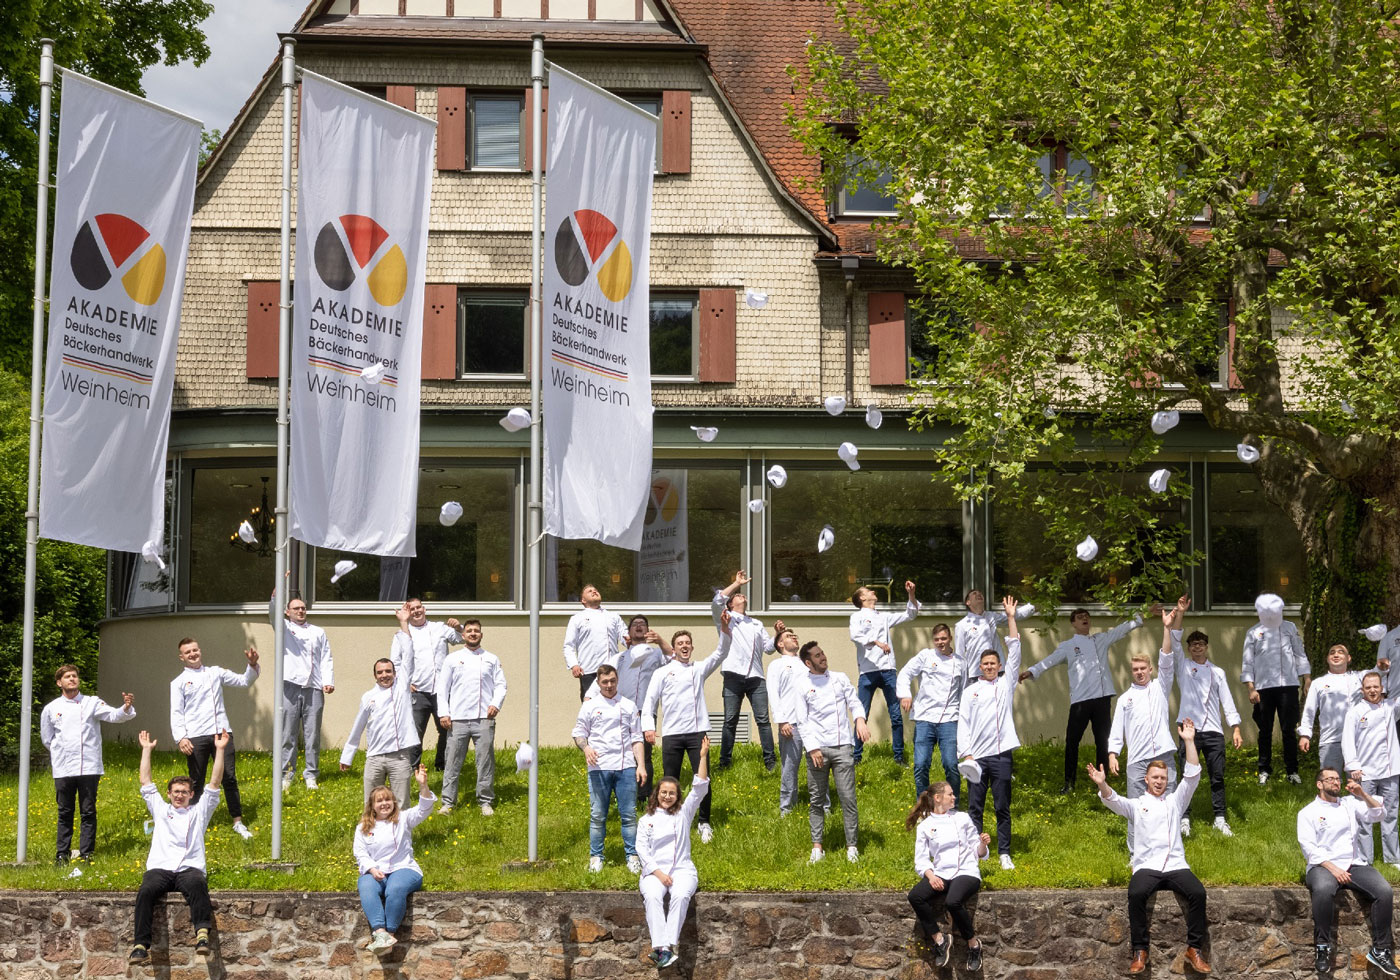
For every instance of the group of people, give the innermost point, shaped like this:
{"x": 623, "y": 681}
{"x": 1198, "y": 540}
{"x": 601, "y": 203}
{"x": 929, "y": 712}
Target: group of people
{"x": 959, "y": 692}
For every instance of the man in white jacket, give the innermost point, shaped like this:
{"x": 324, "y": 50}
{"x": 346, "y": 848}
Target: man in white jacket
{"x": 976, "y": 632}
{"x": 594, "y": 636}
{"x": 1329, "y": 831}
{"x": 609, "y": 733}
{"x": 69, "y": 727}
{"x": 423, "y": 645}
{"x": 1372, "y": 755}
{"x": 646, "y": 653}
{"x": 935, "y": 709}
{"x": 785, "y": 673}
{"x": 1274, "y": 666}
{"x": 825, "y": 704}
{"x": 308, "y": 675}
{"x": 742, "y": 670}
{"x": 386, "y": 719}
{"x": 987, "y": 733}
{"x": 1329, "y": 698}
{"x": 870, "y": 632}
{"x": 1204, "y": 697}
{"x": 197, "y": 714}
{"x": 471, "y": 689}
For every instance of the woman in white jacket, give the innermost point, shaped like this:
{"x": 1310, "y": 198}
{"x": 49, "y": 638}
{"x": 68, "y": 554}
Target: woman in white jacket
{"x": 663, "y": 844}
{"x": 384, "y": 852}
{"x": 946, "y": 850}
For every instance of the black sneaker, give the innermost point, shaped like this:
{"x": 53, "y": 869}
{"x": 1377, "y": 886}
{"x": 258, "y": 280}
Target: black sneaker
{"x": 1067, "y": 789}
{"x": 1323, "y": 963}
{"x": 201, "y": 943}
{"x": 974, "y": 957}
{"x": 1382, "y": 960}
{"x": 138, "y": 954}
{"x": 943, "y": 950}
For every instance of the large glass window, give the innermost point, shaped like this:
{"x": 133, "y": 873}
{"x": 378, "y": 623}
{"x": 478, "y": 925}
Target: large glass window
{"x": 673, "y": 324}
{"x": 471, "y": 561}
{"x": 223, "y": 568}
{"x": 1254, "y": 547}
{"x": 869, "y": 198}
{"x": 889, "y": 525}
{"x": 136, "y": 585}
{"x": 690, "y": 544}
{"x": 493, "y": 326}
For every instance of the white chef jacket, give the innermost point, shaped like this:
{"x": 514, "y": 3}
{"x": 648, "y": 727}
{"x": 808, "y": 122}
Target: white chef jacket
{"x": 1328, "y": 699}
{"x": 389, "y": 846}
{"x": 177, "y": 834}
{"x": 1204, "y": 692}
{"x": 386, "y": 716}
{"x": 946, "y": 844}
{"x": 750, "y": 641}
{"x": 197, "y": 700}
{"x": 784, "y": 674}
{"x": 679, "y": 690}
{"x": 940, "y": 678}
{"x": 470, "y": 682}
{"x": 1089, "y": 674}
{"x": 593, "y": 638}
{"x": 1155, "y": 823}
{"x": 1142, "y": 717}
{"x": 1273, "y": 657}
{"x": 1329, "y": 831}
{"x": 869, "y": 627}
{"x": 306, "y": 656}
{"x": 663, "y": 839}
{"x": 611, "y": 726}
{"x": 822, "y": 703}
{"x": 421, "y": 651}
{"x": 985, "y": 723}
{"x": 635, "y": 668}
{"x": 976, "y": 633}
{"x": 69, "y": 729}
{"x": 1368, "y": 739}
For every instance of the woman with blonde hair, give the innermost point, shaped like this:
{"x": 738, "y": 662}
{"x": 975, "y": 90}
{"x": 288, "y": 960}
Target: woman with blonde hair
{"x": 663, "y": 844}
{"x": 384, "y": 852}
{"x": 946, "y": 850}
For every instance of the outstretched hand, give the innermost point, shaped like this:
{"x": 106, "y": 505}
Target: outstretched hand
{"x": 147, "y": 742}
{"x": 1096, "y": 774}
{"x": 1009, "y": 604}
{"x": 221, "y": 740}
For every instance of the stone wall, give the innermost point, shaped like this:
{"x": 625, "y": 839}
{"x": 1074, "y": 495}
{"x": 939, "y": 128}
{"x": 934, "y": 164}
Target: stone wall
{"x": 1029, "y": 935}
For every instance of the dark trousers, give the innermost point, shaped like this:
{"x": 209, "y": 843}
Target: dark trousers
{"x": 996, "y": 772}
{"x": 644, "y": 791}
{"x": 1144, "y": 884}
{"x": 929, "y": 904}
{"x": 197, "y": 762}
{"x": 83, "y": 790}
{"x": 1281, "y": 701}
{"x": 425, "y": 707}
{"x": 585, "y": 681}
{"x": 675, "y": 748}
{"x": 1096, "y": 712}
{"x": 736, "y": 688}
{"x": 1365, "y": 880}
{"x": 1210, "y": 746}
{"x": 154, "y": 884}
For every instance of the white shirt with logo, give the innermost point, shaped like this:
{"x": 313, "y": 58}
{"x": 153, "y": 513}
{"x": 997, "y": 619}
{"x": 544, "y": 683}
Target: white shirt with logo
{"x": 69, "y": 729}
{"x": 825, "y": 705}
{"x": 385, "y": 718}
{"x": 470, "y": 683}
{"x": 1089, "y": 674}
{"x": 985, "y": 723}
{"x": 1155, "y": 823}
{"x": 389, "y": 846}
{"x": 593, "y": 637}
{"x": 869, "y": 628}
{"x": 177, "y": 833}
{"x": 197, "y": 700}
{"x": 611, "y": 727}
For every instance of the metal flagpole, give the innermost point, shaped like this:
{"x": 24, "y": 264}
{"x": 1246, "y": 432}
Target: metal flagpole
{"x": 284, "y": 370}
{"x": 36, "y": 378}
{"x": 533, "y": 520}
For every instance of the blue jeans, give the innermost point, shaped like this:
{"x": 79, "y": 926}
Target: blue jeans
{"x": 603, "y": 784}
{"x": 386, "y": 901}
{"x": 945, "y": 735}
{"x": 865, "y": 690}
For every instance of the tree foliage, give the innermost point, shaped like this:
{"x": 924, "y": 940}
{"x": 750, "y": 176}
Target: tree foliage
{"x": 1245, "y": 165}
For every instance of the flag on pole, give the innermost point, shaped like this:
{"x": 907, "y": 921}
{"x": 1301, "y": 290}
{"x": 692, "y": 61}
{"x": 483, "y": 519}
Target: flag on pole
{"x": 126, "y": 172}
{"x": 365, "y": 173}
{"x": 597, "y": 364}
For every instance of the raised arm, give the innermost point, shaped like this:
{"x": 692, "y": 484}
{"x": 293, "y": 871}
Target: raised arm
{"x": 352, "y": 741}
{"x": 216, "y": 771}
{"x": 147, "y": 745}
{"x": 1008, "y": 605}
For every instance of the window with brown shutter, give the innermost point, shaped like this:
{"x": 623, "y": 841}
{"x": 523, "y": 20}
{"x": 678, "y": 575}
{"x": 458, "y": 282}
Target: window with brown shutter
{"x": 718, "y": 334}
{"x": 439, "y": 332}
{"x": 403, "y": 96}
{"x": 889, "y": 345}
{"x": 452, "y": 128}
{"x": 263, "y": 314}
{"x": 527, "y": 120}
{"x": 675, "y": 132}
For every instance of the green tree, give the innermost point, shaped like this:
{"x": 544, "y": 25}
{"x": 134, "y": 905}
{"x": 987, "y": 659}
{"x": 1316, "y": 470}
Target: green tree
{"x": 1244, "y": 158}
{"x": 114, "y": 41}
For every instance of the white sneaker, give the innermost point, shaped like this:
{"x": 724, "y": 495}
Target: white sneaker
{"x": 595, "y": 864}
{"x": 634, "y": 864}
{"x": 487, "y": 810}
{"x": 1185, "y": 826}
{"x": 707, "y": 833}
{"x": 242, "y": 831}
{"x": 1006, "y": 863}
{"x": 382, "y": 940}
{"x": 1263, "y": 778}
{"x": 445, "y": 809}
{"x": 816, "y": 855}
{"x": 1223, "y": 827}
{"x": 1295, "y": 779}
{"x": 311, "y": 783}
{"x": 286, "y": 782}
{"x": 852, "y": 854}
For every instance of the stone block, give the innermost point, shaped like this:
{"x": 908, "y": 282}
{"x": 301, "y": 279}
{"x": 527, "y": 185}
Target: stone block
{"x": 505, "y": 932}
{"x": 823, "y": 950}
{"x": 872, "y": 960}
{"x": 483, "y": 964}
{"x": 106, "y": 966}
{"x": 584, "y": 930}
{"x": 59, "y": 947}
{"x": 342, "y": 955}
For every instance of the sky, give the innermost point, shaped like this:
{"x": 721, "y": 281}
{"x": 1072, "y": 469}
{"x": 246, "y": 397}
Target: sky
{"x": 242, "y": 43}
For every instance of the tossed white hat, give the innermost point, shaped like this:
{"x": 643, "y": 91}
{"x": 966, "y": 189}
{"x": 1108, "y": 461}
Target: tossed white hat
{"x": 1025, "y": 609}
{"x": 373, "y": 373}
{"x": 1270, "y": 610}
{"x": 1247, "y": 453}
{"x": 848, "y": 453}
{"x": 825, "y": 539}
{"x": 755, "y": 299}
{"x": 1163, "y": 422}
{"x": 785, "y": 580}
{"x": 524, "y": 756}
{"x": 705, "y": 433}
{"x": 245, "y": 531}
{"x": 873, "y": 416}
{"x": 449, "y": 513}
{"x": 150, "y": 553}
{"x": 971, "y": 771}
{"x": 1048, "y": 412}
{"x": 756, "y": 505}
{"x": 835, "y": 404}
{"x": 1088, "y": 549}
{"x": 342, "y": 569}
{"x": 777, "y": 476}
{"x": 516, "y": 419}
{"x": 1158, "y": 480}
{"x": 1374, "y": 633}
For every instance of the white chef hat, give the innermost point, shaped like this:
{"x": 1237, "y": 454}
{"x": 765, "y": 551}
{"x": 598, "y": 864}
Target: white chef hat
{"x": 835, "y": 404}
{"x": 826, "y": 538}
{"x": 1374, "y": 633}
{"x": 373, "y": 373}
{"x": 1163, "y": 422}
{"x": 1247, "y": 453}
{"x": 971, "y": 771}
{"x": 151, "y": 553}
{"x": 449, "y": 513}
{"x": 705, "y": 433}
{"x": 245, "y": 532}
{"x": 1270, "y": 610}
{"x": 515, "y": 420}
{"x": 848, "y": 453}
{"x": 756, "y": 505}
{"x": 524, "y": 756}
{"x": 777, "y": 476}
{"x": 1088, "y": 549}
{"x": 342, "y": 569}
{"x": 873, "y": 416}
{"x": 755, "y": 299}
{"x": 1158, "y": 480}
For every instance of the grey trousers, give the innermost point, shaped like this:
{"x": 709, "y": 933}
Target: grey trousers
{"x": 1387, "y": 790}
{"x": 1137, "y": 781}
{"x": 789, "y": 761}
{"x": 483, "y": 731}
{"x": 392, "y": 768}
{"x": 1330, "y": 754}
{"x": 301, "y": 715}
{"x": 839, "y": 759}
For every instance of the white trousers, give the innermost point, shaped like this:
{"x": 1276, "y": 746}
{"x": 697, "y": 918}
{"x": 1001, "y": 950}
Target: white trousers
{"x": 665, "y": 927}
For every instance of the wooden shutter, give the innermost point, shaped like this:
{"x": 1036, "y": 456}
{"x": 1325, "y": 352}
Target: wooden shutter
{"x": 527, "y": 140}
{"x": 889, "y": 345}
{"x": 263, "y": 315}
{"x": 439, "y": 332}
{"x": 718, "y": 334}
{"x": 404, "y": 96}
{"x": 675, "y": 132}
{"x": 452, "y": 128}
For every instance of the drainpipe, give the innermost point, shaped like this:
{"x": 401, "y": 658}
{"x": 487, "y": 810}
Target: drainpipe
{"x": 849, "y": 264}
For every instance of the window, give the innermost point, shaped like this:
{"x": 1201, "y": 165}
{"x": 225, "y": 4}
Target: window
{"x": 496, "y": 125}
{"x": 471, "y": 561}
{"x": 136, "y": 585}
{"x": 927, "y": 319}
{"x": 1254, "y": 547}
{"x": 674, "y": 322}
{"x": 890, "y": 525}
{"x": 651, "y": 104}
{"x": 492, "y": 327}
{"x": 690, "y": 544}
{"x": 222, "y": 567}
{"x": 856, "y": 200}
{"x": 1078, "y": 186}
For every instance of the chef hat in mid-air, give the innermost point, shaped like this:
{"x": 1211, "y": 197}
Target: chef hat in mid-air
{"x": 826, "y": 538}
{"x": 342, "y": 569}
{"x": 449, "y": 513}
{"x": 1374, "y": 633}
{"x": 1088, "y": 549}
{"x": 1270, "y": 610}
{"x": 848, "y": 453}
{"x": 515, "y": 420}
{"x": 777, "y": 476}
{"x": 835, "y": 404}
{"x": 873, "y": 416}
{"x": 1158, "y": 480}
{"x": 1163, "y": 422}
{"x": 1247, "y": 453}
{"x": 705, "y": 433}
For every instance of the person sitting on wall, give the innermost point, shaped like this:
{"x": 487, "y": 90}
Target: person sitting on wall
{"x": 384, "y": 852}
{"x": 947, "y": 849}
{"x": 669, "y": 879}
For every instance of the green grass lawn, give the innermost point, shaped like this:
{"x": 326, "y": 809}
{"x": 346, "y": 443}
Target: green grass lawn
{"x": 1057, "y": 841}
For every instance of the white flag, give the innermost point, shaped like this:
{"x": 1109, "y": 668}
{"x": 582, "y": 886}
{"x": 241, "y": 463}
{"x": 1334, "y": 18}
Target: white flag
{"x": 126, "y": 171}
{"x": 663, "y": 563}
{"x": 362, "y": 236}
{"x": 597, "y": 365}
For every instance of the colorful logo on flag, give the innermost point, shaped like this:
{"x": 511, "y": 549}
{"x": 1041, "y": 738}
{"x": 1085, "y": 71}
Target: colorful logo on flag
{"x": 342, "y": 258}
{"x": 119, "y": 246}
{"x": 664, "y": 501}
{"x": 597, "y": 248}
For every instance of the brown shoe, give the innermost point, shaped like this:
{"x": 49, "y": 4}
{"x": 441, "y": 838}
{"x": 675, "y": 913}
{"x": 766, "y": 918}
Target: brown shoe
{"x": 1139, "y": 963}
{"x": 1196, "y": 961}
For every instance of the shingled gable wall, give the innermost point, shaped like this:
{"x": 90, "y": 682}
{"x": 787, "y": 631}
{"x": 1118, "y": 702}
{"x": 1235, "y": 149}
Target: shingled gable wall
{"x": 1038, "y": 935}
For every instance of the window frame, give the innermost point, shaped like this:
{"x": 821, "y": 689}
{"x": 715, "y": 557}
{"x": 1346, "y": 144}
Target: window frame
{"x": 473, "y": 97}
{"x": 694, "y": 297}
{"x": 839, "y": 206}
{"x": 464, "y": 295}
